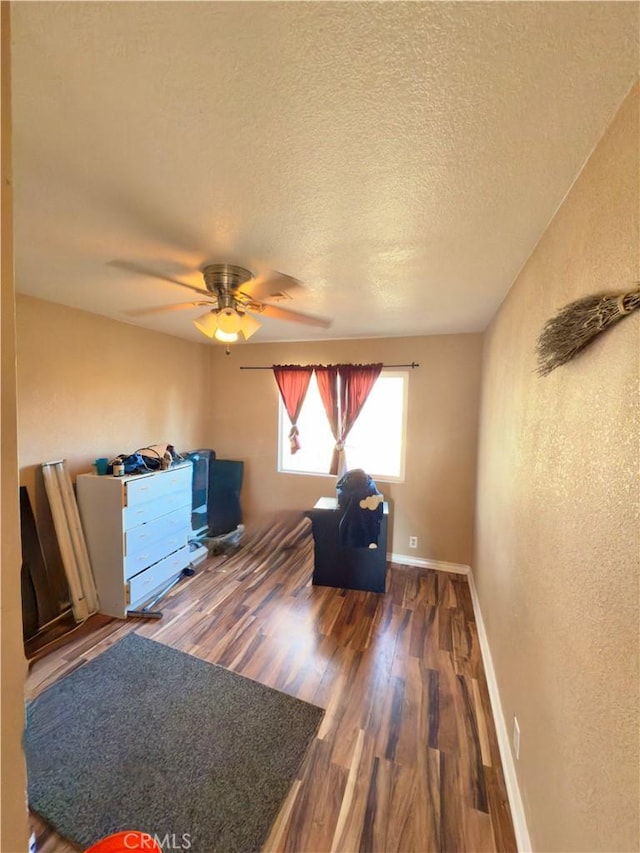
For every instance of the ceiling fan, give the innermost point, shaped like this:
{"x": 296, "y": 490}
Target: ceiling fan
{"x": 233, "y": 296}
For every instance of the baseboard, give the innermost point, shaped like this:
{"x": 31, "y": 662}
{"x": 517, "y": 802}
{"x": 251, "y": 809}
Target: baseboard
{"x": 438, "y": 565}
{"x": 511, "y": 779}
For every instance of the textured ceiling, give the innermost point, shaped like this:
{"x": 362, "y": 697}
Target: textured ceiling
{"x": 400, "y": 160}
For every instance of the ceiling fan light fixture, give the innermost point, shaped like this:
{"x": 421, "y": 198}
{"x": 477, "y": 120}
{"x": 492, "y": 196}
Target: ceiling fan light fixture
{"x": 229, "y": 321}
{"x": 225, "y": 337}
{"x": 249, "y": 326}
{"x": 207, "y": 324}
{"x": 226, "y": 325}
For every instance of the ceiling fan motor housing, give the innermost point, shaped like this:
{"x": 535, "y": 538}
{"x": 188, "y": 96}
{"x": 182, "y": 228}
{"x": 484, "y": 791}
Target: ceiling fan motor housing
{"x": 221, "y": 278}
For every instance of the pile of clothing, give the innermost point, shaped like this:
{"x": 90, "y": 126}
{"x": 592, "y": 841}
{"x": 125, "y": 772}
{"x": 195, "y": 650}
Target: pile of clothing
{"x": 362, "y": 507}
{"x": 155, "y": 457}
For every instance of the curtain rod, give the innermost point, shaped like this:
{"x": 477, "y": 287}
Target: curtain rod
{"x": 270, "y": 367}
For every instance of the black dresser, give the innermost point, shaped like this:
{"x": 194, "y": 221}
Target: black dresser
{"x": 346, "y": 568}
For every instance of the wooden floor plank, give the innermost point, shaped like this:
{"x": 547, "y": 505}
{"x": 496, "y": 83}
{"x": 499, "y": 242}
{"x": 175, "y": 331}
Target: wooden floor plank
{"x": 406, "y": 758}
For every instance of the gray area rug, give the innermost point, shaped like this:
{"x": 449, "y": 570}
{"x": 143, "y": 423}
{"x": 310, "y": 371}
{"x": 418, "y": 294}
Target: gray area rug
{"x": 149, "y": 738}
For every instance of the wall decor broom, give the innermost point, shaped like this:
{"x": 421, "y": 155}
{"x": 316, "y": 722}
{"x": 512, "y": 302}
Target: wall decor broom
{"x": 578, "y": 323}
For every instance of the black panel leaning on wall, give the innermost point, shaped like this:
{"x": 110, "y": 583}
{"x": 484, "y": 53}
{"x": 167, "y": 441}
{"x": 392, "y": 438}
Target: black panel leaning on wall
{"x": 225, "y": 485}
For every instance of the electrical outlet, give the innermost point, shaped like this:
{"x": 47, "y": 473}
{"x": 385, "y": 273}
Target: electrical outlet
{"x": 413, "y": 542}
{"x": 516, "y": 738}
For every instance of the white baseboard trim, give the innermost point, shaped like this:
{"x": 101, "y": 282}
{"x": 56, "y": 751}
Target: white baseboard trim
{"x": 510, "y": 777}
{"x": 420, "y": 562}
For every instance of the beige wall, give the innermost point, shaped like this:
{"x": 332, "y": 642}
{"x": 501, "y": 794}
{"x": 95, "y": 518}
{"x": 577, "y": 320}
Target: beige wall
{"x": 13, "y": 812}
{"x": 436, "y": 501}
{"x": 558, "y": 545}
{"x": 89, "y": 387}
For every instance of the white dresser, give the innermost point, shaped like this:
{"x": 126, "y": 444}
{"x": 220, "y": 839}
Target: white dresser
{"x": 137, "y": 529}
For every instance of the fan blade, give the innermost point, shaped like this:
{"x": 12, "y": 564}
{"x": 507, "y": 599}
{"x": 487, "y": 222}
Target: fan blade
{"x": 161, "y": 309}
{"x": 293, "y": 316}
{"x": 261, "y": 288}
{"x": 138, "y": 269}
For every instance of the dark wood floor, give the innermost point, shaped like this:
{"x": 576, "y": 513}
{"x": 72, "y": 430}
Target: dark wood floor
{"x": 406, "y": 758}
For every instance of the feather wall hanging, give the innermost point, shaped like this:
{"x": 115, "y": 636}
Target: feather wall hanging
{"x": 578, "y": 323}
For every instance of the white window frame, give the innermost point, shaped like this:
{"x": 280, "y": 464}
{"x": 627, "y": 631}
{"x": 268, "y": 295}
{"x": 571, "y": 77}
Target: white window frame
{"x": 284, "y": 425}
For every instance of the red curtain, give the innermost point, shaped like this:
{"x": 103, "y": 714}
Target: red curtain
{"x": 344, "y": 389}
{"x": 356, "y": 382}
{"x": 327, "y": 379}
{"x": 293, "y": 382}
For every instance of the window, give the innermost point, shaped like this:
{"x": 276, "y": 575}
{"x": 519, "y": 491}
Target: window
{"x": 376, "y": 442}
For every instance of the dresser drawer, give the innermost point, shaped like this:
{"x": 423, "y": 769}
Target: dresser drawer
{"x": 152, "y": 509}
{"x": 143, "y": 536}
{"x": 171, "y": 541}
{"x": 144, "y": 585}
{"x": 141, "y": 490}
